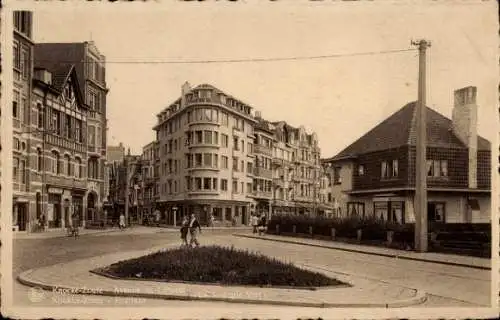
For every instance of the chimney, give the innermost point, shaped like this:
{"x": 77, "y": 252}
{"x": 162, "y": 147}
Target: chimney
{"x": 258, "y": 115}
{"x": 465, "y": 126}
{"x": 186, "y": 87}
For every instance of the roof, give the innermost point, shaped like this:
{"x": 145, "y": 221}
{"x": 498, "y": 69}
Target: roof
{"x": 58, "y": 58}
{"x": 399, "y": 130}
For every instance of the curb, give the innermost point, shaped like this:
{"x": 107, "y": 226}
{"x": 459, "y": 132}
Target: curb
{"x": 61, "y": 235}
{"x": 395, "y": 256}
{"x": 23, "y": 279}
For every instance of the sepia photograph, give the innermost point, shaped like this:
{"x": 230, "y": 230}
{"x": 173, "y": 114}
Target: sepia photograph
{"x": 235, "y": 160}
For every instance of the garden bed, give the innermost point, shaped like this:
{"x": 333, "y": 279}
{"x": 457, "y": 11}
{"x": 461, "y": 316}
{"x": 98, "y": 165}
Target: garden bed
{"x": 217, "y": 265}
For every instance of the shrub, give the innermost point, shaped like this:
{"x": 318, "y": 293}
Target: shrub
{"x": 214, "y": 264}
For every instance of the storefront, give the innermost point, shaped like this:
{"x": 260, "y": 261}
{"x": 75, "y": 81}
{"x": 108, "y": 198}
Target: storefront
{"x": 54, "y": 208}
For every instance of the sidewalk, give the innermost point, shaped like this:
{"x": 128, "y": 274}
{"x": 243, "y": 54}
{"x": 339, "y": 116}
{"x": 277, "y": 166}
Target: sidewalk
{"x": 432, "y": 257}
{"x": 61, "y": 233}
{"x": 63, "y": 280}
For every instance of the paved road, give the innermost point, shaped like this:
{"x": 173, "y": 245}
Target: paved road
{"x": 448, "y": 286}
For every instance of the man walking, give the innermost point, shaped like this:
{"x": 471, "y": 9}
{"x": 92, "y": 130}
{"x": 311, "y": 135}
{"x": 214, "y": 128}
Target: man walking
{"x": 255, "y": 222}
{"x": 194, "y": 228}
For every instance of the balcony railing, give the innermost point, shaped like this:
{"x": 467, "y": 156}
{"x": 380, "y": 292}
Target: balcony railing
{"x": 66, "y": 182}
{"x": 262, "y": 194}
{"x": 259, "y": 149}
{"x": 263, "y": 172}
{"x": 65, "y": 143}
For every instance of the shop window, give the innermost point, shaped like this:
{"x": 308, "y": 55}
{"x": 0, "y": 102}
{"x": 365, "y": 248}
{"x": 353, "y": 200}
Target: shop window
{"x": 356, "y": 209}
{"x": 436, "y": 212}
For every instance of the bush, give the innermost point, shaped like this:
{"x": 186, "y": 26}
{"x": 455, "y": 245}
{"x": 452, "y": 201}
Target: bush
{"x": 214, "y": 264}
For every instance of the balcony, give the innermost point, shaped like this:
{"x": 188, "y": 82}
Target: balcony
{"x": 263, "y": 172}
{"x": 279, "y": 182}
{"x": 202, "y": 168}
{"x": 197, "y": 100}
{"x": 67, "y": 144}
{"x": 203, "y": 193}
{"x": 65, "y": 182}
{"x": 259, "y": 149}
{"x": 262, "y": 194}
{"x": 277, "y": 162}
{"x": 203, "y": 145}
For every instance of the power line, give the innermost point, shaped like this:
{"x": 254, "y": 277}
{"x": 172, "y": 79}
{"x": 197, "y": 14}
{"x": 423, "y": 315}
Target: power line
{"x": 151, "y": 61}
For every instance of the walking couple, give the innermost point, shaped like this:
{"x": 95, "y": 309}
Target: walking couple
{"x": 193, "y": 227}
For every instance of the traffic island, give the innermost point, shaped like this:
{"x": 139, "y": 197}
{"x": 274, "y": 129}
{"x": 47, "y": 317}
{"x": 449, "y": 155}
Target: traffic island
{"x": 218, "y": 265}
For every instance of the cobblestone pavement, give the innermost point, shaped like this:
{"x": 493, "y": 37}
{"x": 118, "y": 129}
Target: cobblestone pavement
{"x": 397, "y": 273}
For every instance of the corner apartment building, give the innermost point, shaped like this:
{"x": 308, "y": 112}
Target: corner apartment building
{"x": 205, "y": 142}
{"x": 91, "y": 72}
{"x": 375, "y": 175}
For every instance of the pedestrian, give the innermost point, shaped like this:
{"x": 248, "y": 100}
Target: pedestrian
{"x": 212, "y": 221}
{"x": 42, "y": 222}
{"x": 184, "y": 230}
{"x": 255, "y": 222}
{"x": 194, "y": 229}
{"x": 157, "y": 217}
{"x": 121, "y": 224}
{"x": 262, "y": 224}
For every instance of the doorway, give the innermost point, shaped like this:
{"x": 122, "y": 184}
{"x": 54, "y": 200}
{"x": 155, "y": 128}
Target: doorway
{"x": 21, "y": 216}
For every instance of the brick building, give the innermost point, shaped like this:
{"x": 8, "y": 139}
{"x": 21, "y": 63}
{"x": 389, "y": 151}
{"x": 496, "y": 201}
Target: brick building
{"x": 375, "y": 175}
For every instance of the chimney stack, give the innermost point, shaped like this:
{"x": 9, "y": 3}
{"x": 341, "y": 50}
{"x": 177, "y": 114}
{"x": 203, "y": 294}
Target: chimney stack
{"x": 186, "y": 87}
{"x": 465, "y": 126}
{"x": 258, "y": 115}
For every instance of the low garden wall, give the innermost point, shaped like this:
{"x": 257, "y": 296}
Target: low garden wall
{"x": 470, "y": 239}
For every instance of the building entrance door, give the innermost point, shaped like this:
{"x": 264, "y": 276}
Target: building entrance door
{"x": 21, "y": 216}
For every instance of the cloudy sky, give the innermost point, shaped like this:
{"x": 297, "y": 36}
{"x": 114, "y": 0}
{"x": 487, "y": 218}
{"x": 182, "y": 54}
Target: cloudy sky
{"x": 340, "y": 98}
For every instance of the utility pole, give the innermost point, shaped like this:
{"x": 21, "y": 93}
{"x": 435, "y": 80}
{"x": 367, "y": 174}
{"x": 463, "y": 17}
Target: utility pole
{"x": 421, "y": 223}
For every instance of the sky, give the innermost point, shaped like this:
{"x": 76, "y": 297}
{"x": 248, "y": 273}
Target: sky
{"x": 339, "y": 98}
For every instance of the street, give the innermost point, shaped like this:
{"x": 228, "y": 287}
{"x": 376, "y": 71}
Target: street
{"x": 446, "y": 285}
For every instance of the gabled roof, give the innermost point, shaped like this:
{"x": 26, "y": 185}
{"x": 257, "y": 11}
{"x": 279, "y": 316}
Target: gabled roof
{"x": 55, "y": 56}
{"x": 400, "y": 130}
{"x": 61, "y": 71}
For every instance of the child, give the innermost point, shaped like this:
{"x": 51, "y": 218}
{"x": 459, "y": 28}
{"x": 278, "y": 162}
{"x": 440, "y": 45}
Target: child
{"x": 184, "y": 230}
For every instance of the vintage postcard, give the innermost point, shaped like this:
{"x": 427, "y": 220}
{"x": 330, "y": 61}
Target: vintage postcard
{"x": 239, "y": 159}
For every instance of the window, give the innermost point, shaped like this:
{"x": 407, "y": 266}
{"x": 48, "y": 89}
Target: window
{"x": 395, "y": 169}
{"x": 436, "y": 212}
{"x": 15, "y": 169}
{"x": 224, "y": 139}
{"x": 336, "y": 176}
{"x": 437, "y": 168}
{"x": 199, "y": 136}
{"x": 40, "y": 115}
{"x": 22, "y": 166}
{"x": 361, "y": 170}
{"x": 356, "y": 209}
{"x": 225, "y": 119}
{"x": 214, "y": 183}
{"x": 249, "y": 167}
{"x": 207, "y": 159}
{"x": 78, "y": 167}
{"x": 15, "y": 105}
{"x": 235, "y": 186}
{"x": 242, "y": 166}
{"x": 197, "y": 183}
{"x": 216, "y": 161}
{"x": 384, "y": 170}
{"x": 235, "y": 163}
{"x": 207, "y": 183}
{"x": 55, "y": 162}
{"x": 208, "y": 137}
{"x": 216, "y": 138}
{"x": 223, "y": 184}
{"x": 224, "y": 162}
{"x": 17, "y": 56}
{"x": 198, "y": 159}
{"x": 67, "y": 164}
{"x": 249, "y": 187}
{"x": 39, "y": 159}
{"x": 78, "y": 130}
{"x": 235, "y": 144}
{"x": 67, "y": 126}
{"x": 249, "y": 147}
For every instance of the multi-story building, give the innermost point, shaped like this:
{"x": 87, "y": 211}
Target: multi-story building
{"x": 23, "y": 189}
{"x": 263, "y": 170}
{"x": 148, "y": 185}
{"x": 90, "y": 69}
{"x": 296, "y": 170}
{"x": 205, "y": 149}
{"x": 375, "y": 175}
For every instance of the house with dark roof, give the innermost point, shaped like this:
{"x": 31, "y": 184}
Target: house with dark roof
{"x": 375, "y": 175}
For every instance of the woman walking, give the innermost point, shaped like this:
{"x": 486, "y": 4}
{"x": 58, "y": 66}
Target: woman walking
{"x": 194, "y": 229}
{"x": 184, "y": 231}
